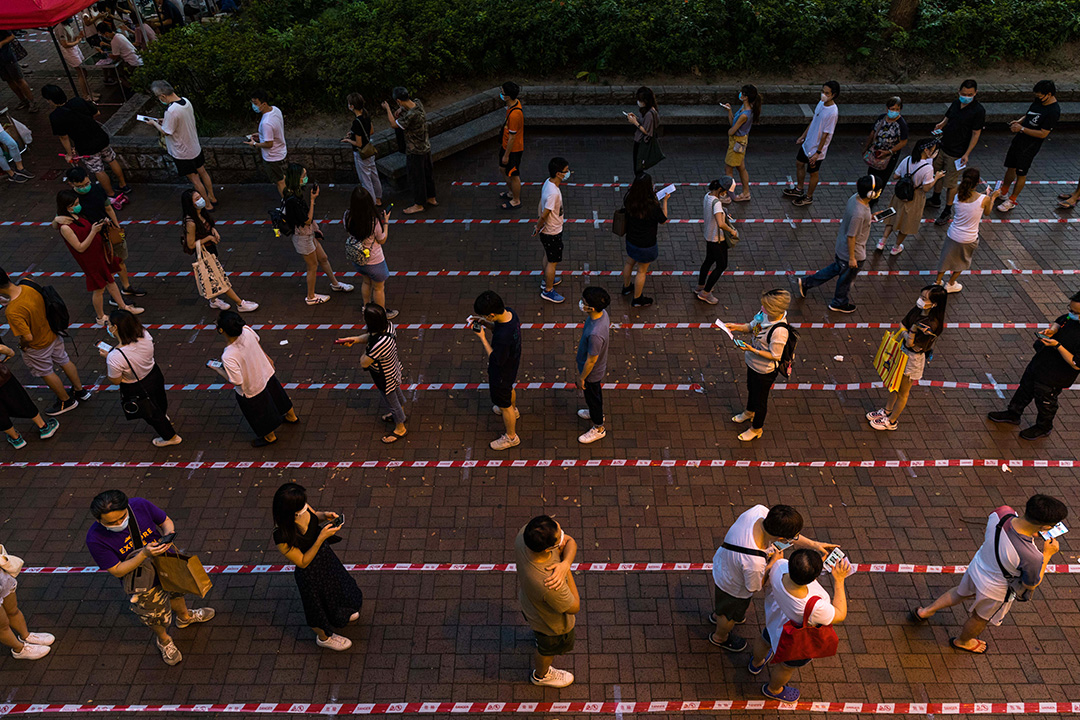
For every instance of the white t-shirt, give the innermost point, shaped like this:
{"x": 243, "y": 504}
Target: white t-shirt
{"x": 781, "y": 606}
{"x": 710, "y": 207}
{"x": 964, "y": 227}
{"x": 737, "y": 574}
{"x": 824, "y": 122}
{"x": 983, "y": 569}
{"x": 72, "y": 55}
{"x": 272, "y": 127}
{"x": 924, "y": 170}
{"x": 121, "y": 46}
{"x": 246, "y": 364}
{"x": 551, "y": 199}
{"x": 139, "y": 353}
{"x": 181, "y": 136}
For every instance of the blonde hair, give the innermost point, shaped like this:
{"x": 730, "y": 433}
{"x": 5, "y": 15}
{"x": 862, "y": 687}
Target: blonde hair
{"x": 776, "y": 302}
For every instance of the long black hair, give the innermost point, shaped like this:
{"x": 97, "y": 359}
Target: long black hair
{"x": 204, "y": 225}
{"x": 64, "y": 200}
{"x": 128, "y": 328}
{"x": 640, "y": 198}
{"x": 360, "y": 221}
{"x": 289, "y": 499}
{"x": 751, "y": 94}
{"x": 375, "y": 319}
{"x": 939, "y": 296}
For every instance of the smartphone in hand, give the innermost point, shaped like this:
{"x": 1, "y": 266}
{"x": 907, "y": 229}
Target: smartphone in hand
{"x": 1056, "y": 531}
{"x": 215, "y": 364}
{"x": 834, "y": 557}
{"x": 886, "y": 213}
{"x": 166, "y": 539}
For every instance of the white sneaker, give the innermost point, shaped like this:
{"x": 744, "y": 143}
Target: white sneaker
{"x": 953, "y": 287}
{"x": 499, "y": 411}
{"x": 31, "y": 652}
{"x": 317, "y": 299}
{"x": 342, "y": 287}
{"x": 135, "y": 310}
{"x": 879, "y": 413}
{"x": 169, "y": 653}
{"x": 744, "y": 416}
{"x": 219, "y": 304}
{"x": 199, "y": 615}
{"x": 750, "y": 434}
{"x": 505, "y": 442}
{"x": 594, "y": 433}
{"x": 1007, "y": 205}
{"x": 883, "y": 423}
{"x": 881, "y": 244}
{"x": 247, "y": 306}
{"x": 335, "y": 642}
{"x": 555, "y": 678}
{"x": 39, "y": 639}
{"x": 160, "y": 442}
{"x": 584, "y": 414}
{"x": 897, "y": 249}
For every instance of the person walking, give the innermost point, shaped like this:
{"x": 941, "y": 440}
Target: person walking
{"x": 513, "y": 144}
{"x": 1056, "y": 366}
{"x": 738, "y": 133}
{"x": 918, "y": 169}
{"x": 124, "y": 540}
{"x": 770, "y": 333}
{"x": 548, "y": 595}
{"x": 364, "y": 151}
{"x": 717, "y": 229}
{"x": 1008, "y": 566}
{"x": 549, "y": 226}
{"x": 504, "y": 358}
{"x": 83, "y": 138}
{"x": 84, "y": 240}
{"x": 962, "y": 238}
{"x": 960, "y": 130}
{"x": 14, "y": 633}
{"x": 259, "y": 393}
{"x": 645, "y": 127}
{"x": 270, "y": 140}
{"x": 15, "y": 402}
{"x": 644, "y": 215}
{"x": 380, "y": 358}
{"x": 368, "y": 228}
{"x": 330, "y": 596}
{"x": 922, "y": 326}
{"x": 412, "y": 121}
{"x": 887, "y": 138}
{"x": 198, "y": 229}
{"x": 813, "y": 144}
{"x": 182, "y": 140}
{"x": 132, "y": 366}
{"x": 592, "y": 360}
{"x": 306, "y": 236}
{"x": 850, "y": 248}
{"x": 8, "y": 147}
{"x": 43, "y": 350}
{"x": 1029, "y": 132}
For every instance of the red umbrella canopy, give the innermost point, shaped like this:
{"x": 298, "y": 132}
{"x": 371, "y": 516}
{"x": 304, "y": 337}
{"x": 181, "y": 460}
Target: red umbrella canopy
{"x": 22, "y": 14}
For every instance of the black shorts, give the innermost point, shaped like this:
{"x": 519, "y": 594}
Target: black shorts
{"x": 552, "y": 247}
{"x": 788, "y": 663}
{"x": 731, "y": 607}
{"x": 812, "y": 167}
{"x": 502, "y": 393}
{"x": 10, "y": 71}
{"x": 1020, "y": 156}
{"x": 190, "y": 167}
{"x": 511, "y": 168}
{"x": 552, "y": 645}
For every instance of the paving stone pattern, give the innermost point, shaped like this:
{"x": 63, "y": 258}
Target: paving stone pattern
{"x": 458, "y": 636}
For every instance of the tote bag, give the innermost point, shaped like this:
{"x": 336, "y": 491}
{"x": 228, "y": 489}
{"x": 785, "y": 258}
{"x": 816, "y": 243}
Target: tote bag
{"x": 210, "y": 277}
{"x": 649, "y": 154}
{"x": 183, "y": 574}
{"x": 890, "y": 360}
{"x": 806, "y": 642}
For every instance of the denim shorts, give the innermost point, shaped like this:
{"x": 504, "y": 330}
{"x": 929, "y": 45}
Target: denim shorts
{"x": 375, "y": 273}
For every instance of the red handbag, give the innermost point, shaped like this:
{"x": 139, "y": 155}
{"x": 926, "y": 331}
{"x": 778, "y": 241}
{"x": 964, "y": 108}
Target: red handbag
{"x": 806, "y": 642}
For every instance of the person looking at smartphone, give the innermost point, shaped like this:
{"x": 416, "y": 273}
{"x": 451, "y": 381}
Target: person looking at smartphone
{"x": 918, "y": 169}
{"x": 769, "y": 329}
{"x": 380, "y": 358}
{"x": 300, "y": 195}
{"x": 962, "y": 238}
{"x": 1056, "y": 366}
{"x": 813, "y": 144}
{"x": 960, "y": 130}
{"x": 504, "y": 357}
{"x": 752, "y": 545}
{"x": 111, "y": 542}
{"x": 330, "y": 596}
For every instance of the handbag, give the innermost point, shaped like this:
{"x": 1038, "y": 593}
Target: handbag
{"x": 210, "y": 277}
{"x": 618, "y": 222}
{"x": 649, "y": 154}
{"x": 140, "y": 405}
{"x": 805, "y": 642}
{"x": 18, "y": 50}
{"x": 144, "y": 576}
{"x": 891, "y": 360}
{"x": 366, "y": 149}
{"x": 731, "y": 240}
{"x": 182, "y": 574}
{"x": 11, "y": 564}
{"x": 115, "y": 234}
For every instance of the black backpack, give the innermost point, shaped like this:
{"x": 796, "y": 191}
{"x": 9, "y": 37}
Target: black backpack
{"x": 279, "y": 223}
{"x": 56, "y": 312}
{"x": 905, "y": 186}
{"x": 787, "y": 357}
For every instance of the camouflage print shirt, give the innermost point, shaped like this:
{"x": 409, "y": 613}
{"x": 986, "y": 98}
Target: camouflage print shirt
{"x": 413, "y": 122}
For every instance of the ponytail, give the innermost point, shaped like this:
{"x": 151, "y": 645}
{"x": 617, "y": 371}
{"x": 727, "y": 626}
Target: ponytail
{"x": 755, "y": 98}
{"x": 967, "y": 184}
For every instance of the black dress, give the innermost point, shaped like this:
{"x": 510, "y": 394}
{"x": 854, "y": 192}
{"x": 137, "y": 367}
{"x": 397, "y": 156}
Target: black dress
{"x": 328, "y": 591}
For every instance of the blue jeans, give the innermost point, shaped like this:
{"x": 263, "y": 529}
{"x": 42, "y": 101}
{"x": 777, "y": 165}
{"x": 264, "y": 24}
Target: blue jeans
{"x": 12, "y": 149}
{"x": 839, "y": 267}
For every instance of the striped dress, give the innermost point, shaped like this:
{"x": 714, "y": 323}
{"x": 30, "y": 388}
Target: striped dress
{"x": 386, "y": 370}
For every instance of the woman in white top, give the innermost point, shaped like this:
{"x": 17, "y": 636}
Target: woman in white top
{"x": 131, "y": 365}
{"x": 909, "y": 213}
{"x": 762, "y": 357}
{"x": 963, "y": 236}
{"x": 716, "y": 244}
{"x": 70, "y": 36}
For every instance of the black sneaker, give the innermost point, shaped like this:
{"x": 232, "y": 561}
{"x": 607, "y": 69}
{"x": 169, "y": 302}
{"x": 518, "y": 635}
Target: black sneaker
{"x": 734, "y": 643}
{"x": 803, "y": 201}
{"x": 848, "y": 308}
{"x": 126, "y": 190}
{"x": 944, "y": 217}
{"x": 933, "y": 201}
{"x": 1003, "y": 416}
{"x": 59, "y": 408}
{"x": 627, "y": 289}
{"x": 793, "y": 192}
{"x": 133, "y": 291}
{"x": 81, "y": 395}
{"x": 641, "y": 301}
{"x": 1033, "y": 433}
{"x": 24, "y": 174}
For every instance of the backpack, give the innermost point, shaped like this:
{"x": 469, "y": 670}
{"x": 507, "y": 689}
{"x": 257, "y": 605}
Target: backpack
{"x": 56, "y": 312}
{"x": 787, "y": 357}
{"x": 905, "y": 186}
{"x": 279, "y": 223}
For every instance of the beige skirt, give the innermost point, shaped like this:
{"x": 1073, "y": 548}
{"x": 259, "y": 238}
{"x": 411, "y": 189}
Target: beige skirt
{"x": 909, "y": 213}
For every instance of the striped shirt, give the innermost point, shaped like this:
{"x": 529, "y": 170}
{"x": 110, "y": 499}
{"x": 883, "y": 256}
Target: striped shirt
{"x": 386, "y": 371}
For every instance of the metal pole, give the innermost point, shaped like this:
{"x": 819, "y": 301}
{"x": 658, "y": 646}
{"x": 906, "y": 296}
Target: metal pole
{"x": 63, "y": 61}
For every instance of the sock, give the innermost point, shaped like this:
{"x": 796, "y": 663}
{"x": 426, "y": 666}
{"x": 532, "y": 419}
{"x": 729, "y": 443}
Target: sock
{"x": 1014, "y": 198}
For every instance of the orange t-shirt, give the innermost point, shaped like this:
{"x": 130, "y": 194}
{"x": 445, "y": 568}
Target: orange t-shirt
{"x": 515, "y": 122}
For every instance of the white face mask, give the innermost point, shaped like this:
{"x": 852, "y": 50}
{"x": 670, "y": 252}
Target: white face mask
{"x": 641, "y": 103}
{"x": 824, "y": 97}
{"x": 921, "y": 304}
{"x": 200, "y": 203}
{"x": 122, "y": 526}
{"x": 304, "y": 510}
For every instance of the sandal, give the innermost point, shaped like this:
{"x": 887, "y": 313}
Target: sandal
{"x": 1065, "y": 196}
{"x": 510, "y": 206}
{"x": 510, "y": 196}
{"x": 393, "y": 437}
{"x": 913, "y": 616}
{"x": 979, "y": 649}
{"x": 261, "y": 442}
{"x": 1066, "y": 205}
{"x": 741, "y": 198}
{"x": 388, "y": 417}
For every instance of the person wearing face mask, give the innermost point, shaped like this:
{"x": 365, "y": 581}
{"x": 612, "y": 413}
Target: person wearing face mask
{"x": 918, "y": 169}
{"x": 960, "y": 131}
{"x": 887, "y": 138}
{"x": 182, "y": 139}
{"x": 739, "y": 135}
{"x": 96, "y": 259}
{"x": 1028, "y": 135}
{"x": 644, "y": 216}
{"x": 770, "y": 333}
{"x": 513, "y": 145}
{"x": 412, "y": 120}
{"x": 360, "y": 138}
{"x": 549, "y": 226}
{"x": 717, "y": 229}
{"x": 306, "y": 236}
{"x": 124, "y": 540}
{"x": 850, "y": 248}
{"x": 922, "y": 327}
{"x": 380, "y": 358}
{"x": 504, "y": 358}
{"x": 198, "y": 229}
{"x": 131, "y": 365}
{"x": 647, "y": 125}
{"x": 270, "y": 140}
{"x": 330, "y": 595}
{"x": 69, "y": 34}
{"x": 813, "y": 144}
{"x": 1056, "y": 366}
{"x": 962, "y": 239}
{"x": 592, "y": 356}
{"x": 15, "y": 402}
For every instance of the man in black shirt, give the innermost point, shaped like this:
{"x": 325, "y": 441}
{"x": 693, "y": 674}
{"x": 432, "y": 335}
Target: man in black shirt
{"x": 1030, "y": 131}
{"x": 83, "y": 137}
{"x": 504, "y": 357}
{"x": 960, "y": 130}
{"x": 1056, "y": 366}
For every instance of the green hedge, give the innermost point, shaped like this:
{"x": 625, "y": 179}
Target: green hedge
{"x": 311, "y": 53}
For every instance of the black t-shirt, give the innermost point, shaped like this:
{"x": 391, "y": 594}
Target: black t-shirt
{"x": 7, "y": 52}
{"x": 963, "y": 121}
{"x": 1048, "y": 365}
{"x": 1038, "y": 117}
{"x": 505, "y": 351}
{"x": 923, "y": 330}
{"x": 93, "y": 203}
{"x": 360, "y": 130}
{"x": 75, "y": 118}
{"x": 641, "y": 232}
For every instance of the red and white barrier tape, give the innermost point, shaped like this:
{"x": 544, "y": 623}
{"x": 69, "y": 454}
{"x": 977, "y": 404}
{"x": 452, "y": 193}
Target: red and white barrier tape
{"x": 561, "y": 273}
{"x": 775, "y": 183}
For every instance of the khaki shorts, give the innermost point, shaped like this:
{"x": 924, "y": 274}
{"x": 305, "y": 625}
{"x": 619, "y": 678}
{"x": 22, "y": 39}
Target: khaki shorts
{"x": 273, "y": 169}
{"x": 734, "y": 158}
{"x": 152, "y": 607}
{"x": 45, "y": 361}
{"x": 948, "y": 164}
{"x": 984, "y": 606}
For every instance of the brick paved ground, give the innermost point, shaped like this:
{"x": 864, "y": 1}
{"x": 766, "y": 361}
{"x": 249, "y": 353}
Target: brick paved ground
{"x": 457, "y": 636}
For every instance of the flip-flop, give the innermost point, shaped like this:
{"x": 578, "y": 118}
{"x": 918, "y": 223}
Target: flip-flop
{"x": 261, "y": 442}
{"x": 1066, "y": 206}
{"x": 510, "y": 196}
{"x": 292, "y": 422}
{"x": 788, "y": 694}
{"x": 510, "y": 206}
{"x": 974, "y": 651}
{"x": 913, "y": 616}
{"x": 393, "y": 437}
{"x": 1064, "y": 196}
{"x": 741, "y": 199}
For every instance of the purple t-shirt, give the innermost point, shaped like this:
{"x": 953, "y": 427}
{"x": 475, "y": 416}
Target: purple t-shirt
{"x": 110, "y": 548}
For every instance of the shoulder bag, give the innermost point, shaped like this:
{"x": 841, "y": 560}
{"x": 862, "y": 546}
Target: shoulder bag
{"x": 182, "y": 573}
{"x": 1017, "y": 591}
{"x": 10, "y": 564}
{"x": 143, "y": 577}
{"x": 745, "y": 551}
{"x": 210, "y": 277}
{"x": 366, "y": 149}
{"x": 139, "y": 405}
{"x": 618, "y": 222}
{"x": 805, "y": 642}
{"x": 890, "y": 360}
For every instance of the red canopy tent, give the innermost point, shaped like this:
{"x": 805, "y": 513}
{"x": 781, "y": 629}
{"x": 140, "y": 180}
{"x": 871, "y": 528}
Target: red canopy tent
{"x": 23, "y": 14}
